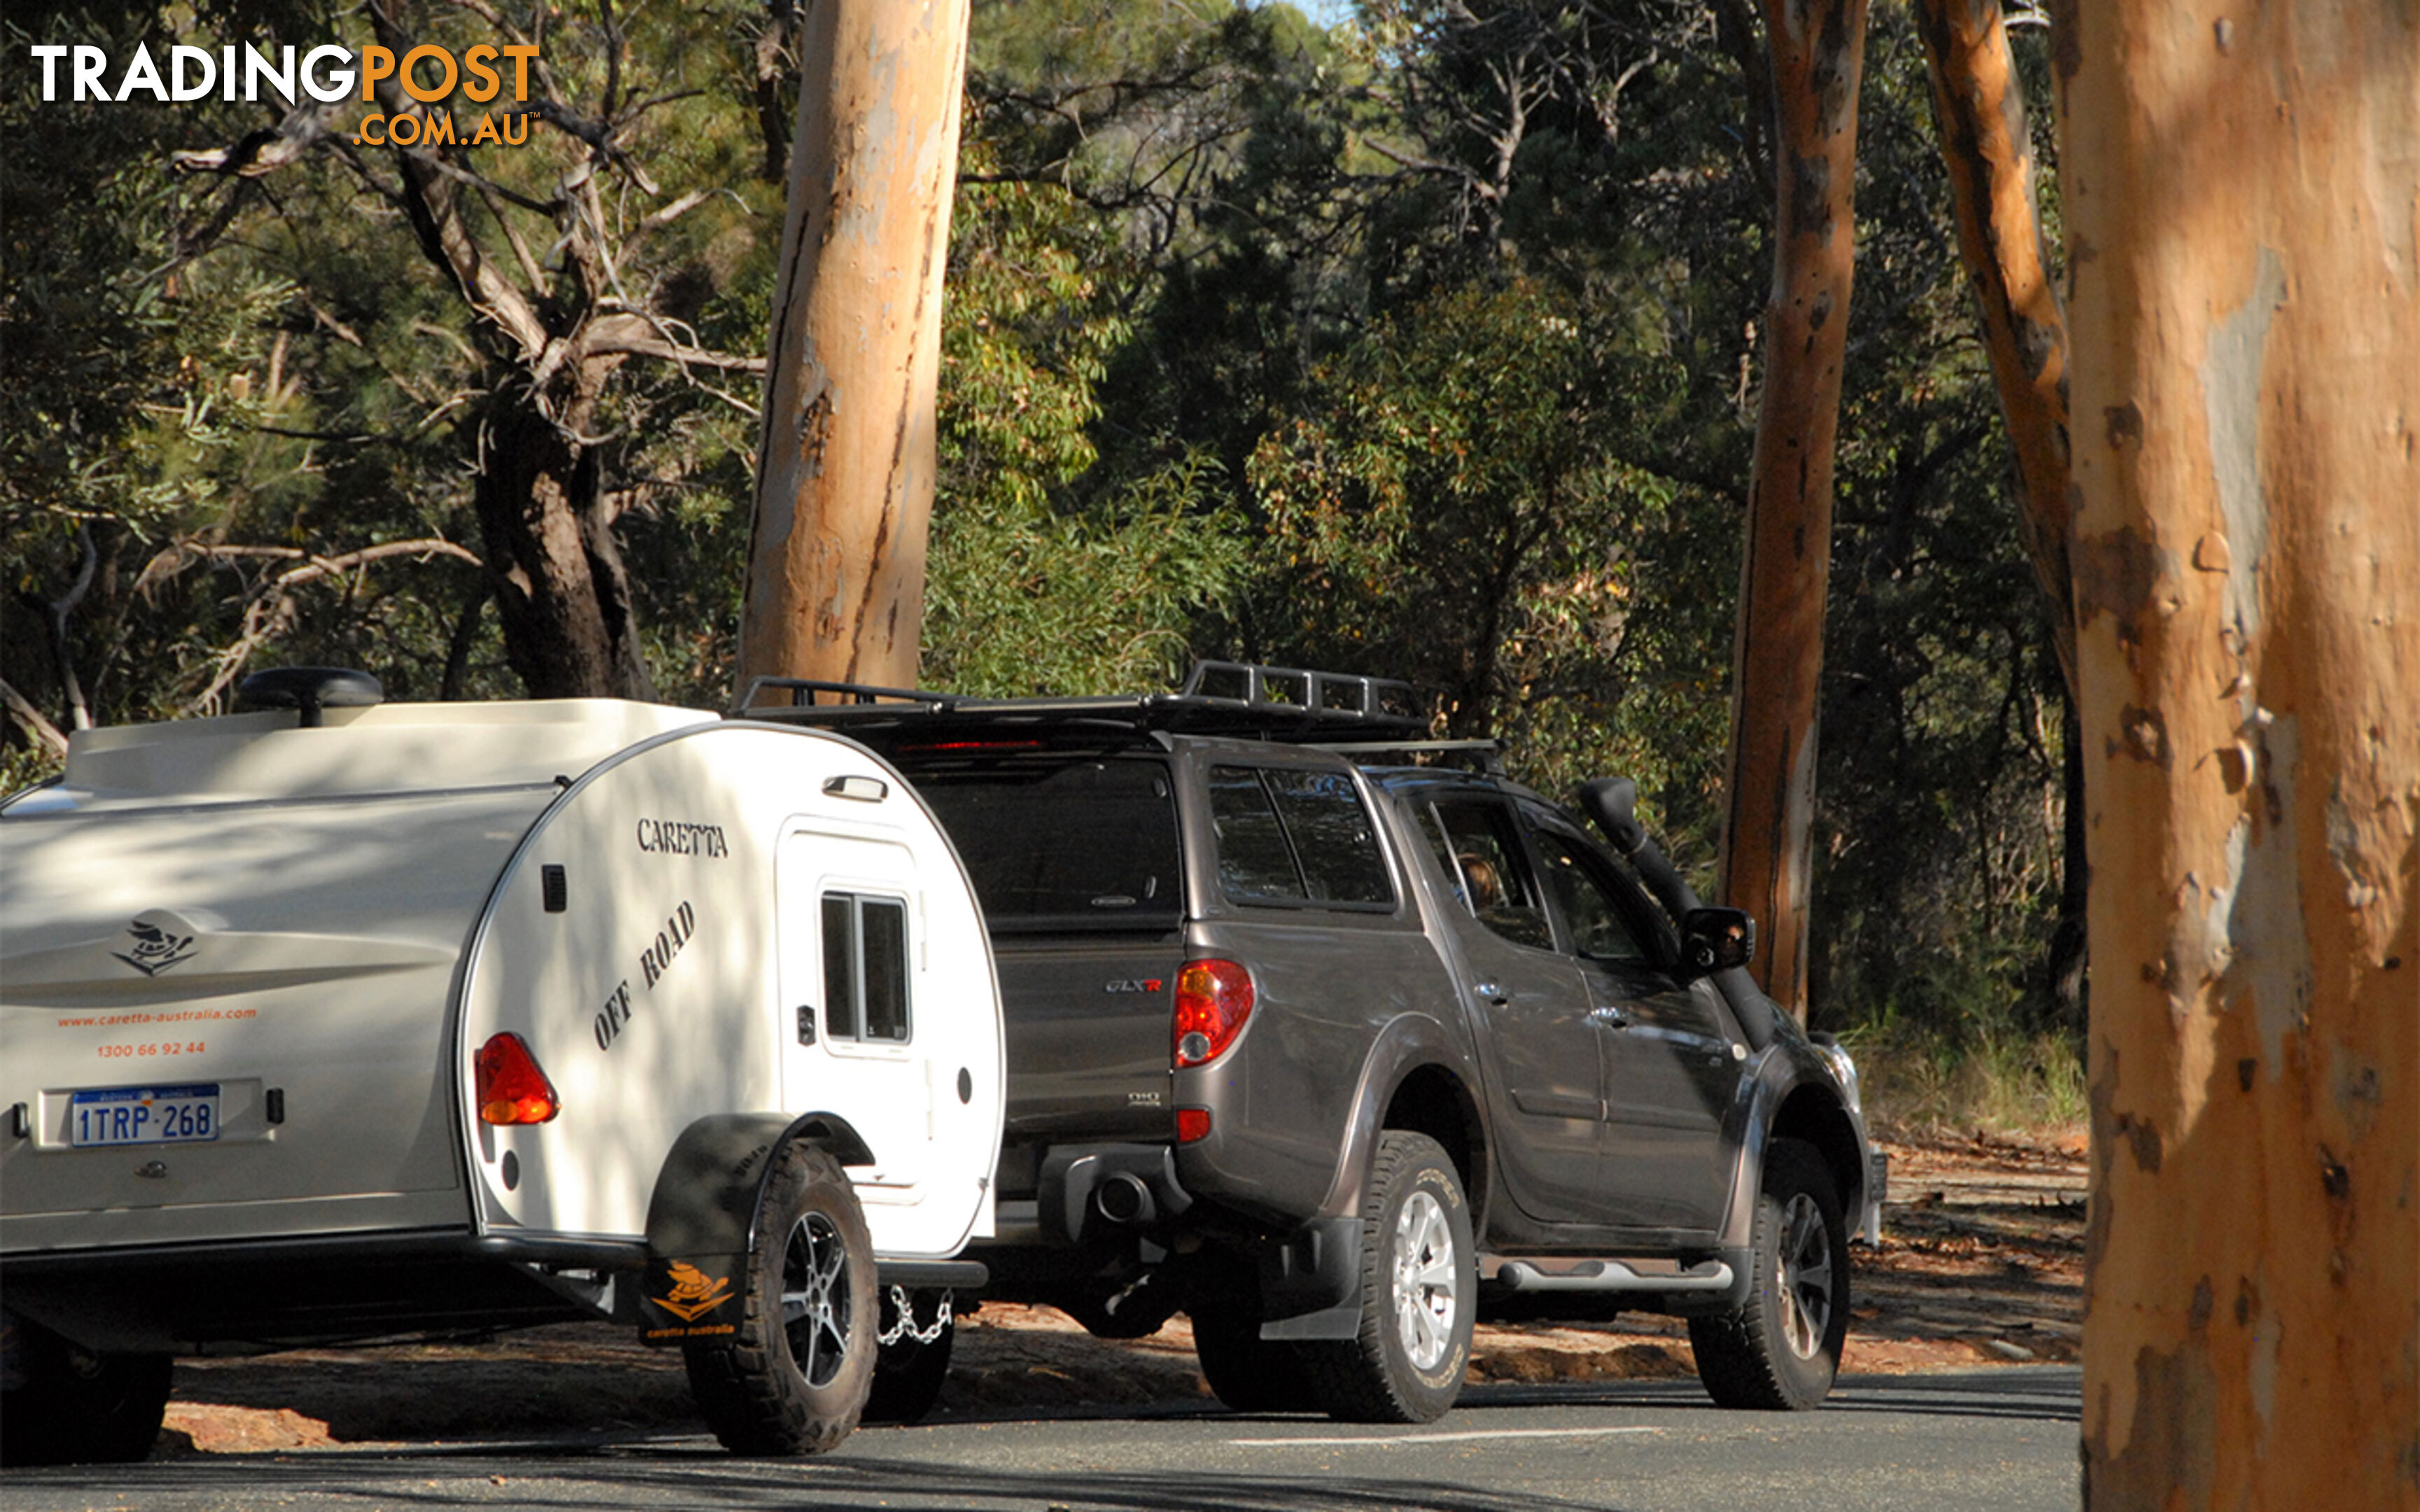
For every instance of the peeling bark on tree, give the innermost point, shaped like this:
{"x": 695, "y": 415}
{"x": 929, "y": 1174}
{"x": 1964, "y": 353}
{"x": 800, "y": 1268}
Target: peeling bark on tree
{"x": 844, "y": 476}
{"x": 1817, "y": 55}
{"x": 1988, "y": 153}
{"x": 2242, "y": 191}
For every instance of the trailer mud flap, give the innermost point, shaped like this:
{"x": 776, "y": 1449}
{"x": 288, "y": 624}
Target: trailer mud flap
{"x": 702, "y": 1217}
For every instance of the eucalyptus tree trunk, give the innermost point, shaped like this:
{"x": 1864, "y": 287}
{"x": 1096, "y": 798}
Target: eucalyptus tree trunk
{"x": 2241, "y": 187}
{"x": 1988, "y": 150}
{"x": 845, "y": 473}
{"x": 1818, "y": 59}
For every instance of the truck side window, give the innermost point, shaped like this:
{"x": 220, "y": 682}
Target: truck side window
{"x": 1289, "y": 836}
{"x": 1255, "y": 863}
{"x": 1332, "y": 836}
{"x": 1476, "y": 846}
{"x": 865, "y": 967}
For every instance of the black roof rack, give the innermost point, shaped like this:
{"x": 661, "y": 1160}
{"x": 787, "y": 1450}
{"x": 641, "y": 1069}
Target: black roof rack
{"x": 1240, "y": 700}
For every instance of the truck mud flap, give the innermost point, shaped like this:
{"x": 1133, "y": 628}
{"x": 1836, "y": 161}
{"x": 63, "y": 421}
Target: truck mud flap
{"x": 1311, "y": 1285}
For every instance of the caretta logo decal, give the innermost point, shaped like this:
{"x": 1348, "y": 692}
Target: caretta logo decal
{"x": 154, "y": 948}
{"x": 694, "y": 1293}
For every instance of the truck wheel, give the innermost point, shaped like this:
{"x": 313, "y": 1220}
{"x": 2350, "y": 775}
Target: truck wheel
{"x": 67, "y": 1405}
{"x": 1779, "y": 1350}
{"x": 792, "y": 1379}
{"x": 1420, "y": 1281}
{"x": 912, "y": 1357}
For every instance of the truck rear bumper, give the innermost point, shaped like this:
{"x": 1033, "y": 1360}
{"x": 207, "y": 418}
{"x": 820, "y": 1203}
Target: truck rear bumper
{"x": 1088, "y": 1191}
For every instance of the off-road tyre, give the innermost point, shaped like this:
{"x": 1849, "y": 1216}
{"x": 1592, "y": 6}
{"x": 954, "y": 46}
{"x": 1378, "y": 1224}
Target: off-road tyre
{"x": 1780, "y": 1350}
{"x": 908, "y": 1372}
{"x": 1249, "y": 1373}
{"x": 69, "y": 1405}
{"x": 793, "y": 1376}
{"x": 1419, "y": 1291}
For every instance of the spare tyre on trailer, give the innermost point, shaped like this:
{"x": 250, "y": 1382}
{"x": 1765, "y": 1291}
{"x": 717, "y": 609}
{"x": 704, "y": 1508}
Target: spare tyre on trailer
{"x": 349, "y": 1021}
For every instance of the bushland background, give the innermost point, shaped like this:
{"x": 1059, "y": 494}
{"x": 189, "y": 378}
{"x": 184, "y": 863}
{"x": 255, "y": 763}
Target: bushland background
{"x": 1411, "y": 339}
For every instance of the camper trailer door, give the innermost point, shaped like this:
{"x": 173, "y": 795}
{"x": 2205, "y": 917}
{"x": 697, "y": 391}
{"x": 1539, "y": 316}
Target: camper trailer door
{"x": 853, "y": 957}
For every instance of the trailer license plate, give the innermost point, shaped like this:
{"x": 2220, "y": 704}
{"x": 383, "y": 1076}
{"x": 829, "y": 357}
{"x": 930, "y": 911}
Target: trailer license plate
{"x": 145, "y": 1116}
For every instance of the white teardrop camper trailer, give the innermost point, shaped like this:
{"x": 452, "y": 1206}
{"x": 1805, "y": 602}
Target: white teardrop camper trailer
{"x": 348, "y": 1020}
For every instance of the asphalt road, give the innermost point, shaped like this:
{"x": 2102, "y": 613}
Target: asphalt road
{"x": 2003, "y": 1440}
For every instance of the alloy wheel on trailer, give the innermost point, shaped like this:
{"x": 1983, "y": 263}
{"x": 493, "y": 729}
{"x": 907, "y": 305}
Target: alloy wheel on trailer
{"x": 793, "y": 1374}
{"x": 816, "y": 1298}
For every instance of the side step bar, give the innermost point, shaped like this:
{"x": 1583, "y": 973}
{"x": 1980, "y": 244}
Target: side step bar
{"x": 1561, "y": 1275}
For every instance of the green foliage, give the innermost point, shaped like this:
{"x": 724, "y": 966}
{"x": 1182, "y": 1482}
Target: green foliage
{"x": 1423, "y": 347}
{"x": 1050, "y": 572}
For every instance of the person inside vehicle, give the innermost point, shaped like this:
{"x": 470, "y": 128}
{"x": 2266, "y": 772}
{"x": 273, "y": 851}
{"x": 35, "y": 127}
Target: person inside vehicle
{"x": 1482, "y": 887}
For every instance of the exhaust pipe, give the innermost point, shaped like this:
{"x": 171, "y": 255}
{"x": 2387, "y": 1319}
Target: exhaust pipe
{"x": 1124, "y": 1198}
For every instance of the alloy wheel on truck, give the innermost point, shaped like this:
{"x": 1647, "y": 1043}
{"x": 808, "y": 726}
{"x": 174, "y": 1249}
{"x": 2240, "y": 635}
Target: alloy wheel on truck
{"x": 794, "y": 1377}
{"x": 66, "y": 1404}
{"x": 1779, "y": 1349}
{"x": 1420, "y": 1285}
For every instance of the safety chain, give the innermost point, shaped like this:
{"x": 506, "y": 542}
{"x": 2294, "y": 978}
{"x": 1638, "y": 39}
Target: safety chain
{"x": 904, "y": 1307}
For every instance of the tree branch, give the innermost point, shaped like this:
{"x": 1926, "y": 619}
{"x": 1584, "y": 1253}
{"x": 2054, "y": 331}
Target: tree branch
{"x": 33, "y": 720}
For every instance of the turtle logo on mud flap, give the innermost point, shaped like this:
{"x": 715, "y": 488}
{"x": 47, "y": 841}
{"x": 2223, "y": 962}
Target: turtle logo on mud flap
{"x": 694, "y": 1293}
{"x": 156, "y": 944}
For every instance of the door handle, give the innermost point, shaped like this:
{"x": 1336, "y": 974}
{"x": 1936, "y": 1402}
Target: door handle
{"x": 1610, "y": 1017}
{"x": 1492, "y": 992}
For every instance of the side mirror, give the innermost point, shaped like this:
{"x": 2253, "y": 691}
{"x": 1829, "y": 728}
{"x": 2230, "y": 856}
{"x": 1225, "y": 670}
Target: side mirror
{"x": 1716, "y": 939}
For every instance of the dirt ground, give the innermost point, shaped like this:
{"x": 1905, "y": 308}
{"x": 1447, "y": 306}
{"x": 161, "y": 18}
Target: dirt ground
{"x": 1981, "y": 1263}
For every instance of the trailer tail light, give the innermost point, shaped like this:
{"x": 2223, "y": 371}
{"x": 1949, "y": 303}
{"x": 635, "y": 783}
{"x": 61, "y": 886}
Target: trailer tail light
{"x": 511, "y": 1087}
{"x": 1213, "y": 1000}
{"x": 1192, "y": 1125}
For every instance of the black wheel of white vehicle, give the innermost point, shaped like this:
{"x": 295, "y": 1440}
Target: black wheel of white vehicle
{"x": 912, "y": 1354}
{"x": 1419, "y": 1284}
{"x": 67, "y": 1405}
{"x": 793, "y": 1378}
{"x": 1780, "y": 1350}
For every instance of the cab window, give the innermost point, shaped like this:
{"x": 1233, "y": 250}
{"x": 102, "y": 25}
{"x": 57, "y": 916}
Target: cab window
{"x": 1478, "y": 847}
{"x": 1601, "y": 923}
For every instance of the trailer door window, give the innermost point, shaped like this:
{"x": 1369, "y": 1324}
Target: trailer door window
{"x": 865, "y": 967}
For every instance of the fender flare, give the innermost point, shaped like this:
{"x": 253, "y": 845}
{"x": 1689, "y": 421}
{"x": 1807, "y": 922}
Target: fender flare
{"x": 1410, "y": 1042}
{"x": 702, "y": 1216}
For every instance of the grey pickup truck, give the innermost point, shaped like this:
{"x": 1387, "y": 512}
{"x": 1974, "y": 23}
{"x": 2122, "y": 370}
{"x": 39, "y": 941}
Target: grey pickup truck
{"x": 1335, "y": 1038}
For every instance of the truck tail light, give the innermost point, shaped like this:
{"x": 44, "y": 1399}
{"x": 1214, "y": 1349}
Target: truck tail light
{"x": 511, "y": 1087}
{"x": 1213, "y": 1000}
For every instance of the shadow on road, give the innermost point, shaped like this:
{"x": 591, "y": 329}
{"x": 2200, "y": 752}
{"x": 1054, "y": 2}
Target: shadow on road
{"x": 2046, "y": 1394}
{"x": 616, "y": 1479}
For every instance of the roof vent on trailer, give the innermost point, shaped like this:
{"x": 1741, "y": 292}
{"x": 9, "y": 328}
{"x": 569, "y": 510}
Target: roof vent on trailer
{"x": 310, "y": 689}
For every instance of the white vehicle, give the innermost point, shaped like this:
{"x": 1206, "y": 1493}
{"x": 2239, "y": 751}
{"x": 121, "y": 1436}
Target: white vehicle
{"x": 352, "y": 1021}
